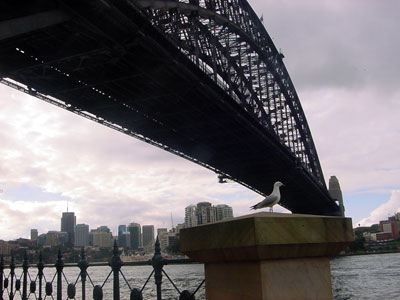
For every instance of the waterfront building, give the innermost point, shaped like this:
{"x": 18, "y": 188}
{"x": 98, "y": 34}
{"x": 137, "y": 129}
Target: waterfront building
{"x": 383, "y": 236}
{"x": 121, "y": 229}
{"x": 171, "y": 237}
{"x": 135, "y": 235}
{"x": 64, "y": 238}
{"x": 82, "y": 235}
{"x": 124, "y": 239}
{"x": 206, "y": 213}
{"x": 190, "y": 216}
{"x": 41, "y": 240}
{"x": 68, "y": 223}
{"x": 103, "y": 229}
{"x": 34, "y": 234}
{"x": 179, "y": 227}
{"x": 121, "y": 237}
{"x": 91, "y": 233}
{"x": 148, "y": 235}
{"x": 57, "y": 238}
{"x": 102, "y": 239}
{"x": 390, "y": 226}
{"x": 5, "y": 248}
{"x": 52, "y": 239}
{"x": 162, "y": 234}
{"x": 336, "y": 193}
{"x": 224, "y": 212}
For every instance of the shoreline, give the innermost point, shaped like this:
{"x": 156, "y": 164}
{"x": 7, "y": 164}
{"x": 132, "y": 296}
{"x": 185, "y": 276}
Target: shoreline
{"x": 369, "y": 253}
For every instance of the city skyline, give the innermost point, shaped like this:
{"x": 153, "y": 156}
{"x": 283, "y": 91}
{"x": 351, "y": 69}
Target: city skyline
{"x": 348, "y": 89}
{"x": 144, "y": 236}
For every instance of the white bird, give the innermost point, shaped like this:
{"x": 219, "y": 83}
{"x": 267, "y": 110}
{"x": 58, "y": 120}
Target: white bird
{"x": 271, "y": 199}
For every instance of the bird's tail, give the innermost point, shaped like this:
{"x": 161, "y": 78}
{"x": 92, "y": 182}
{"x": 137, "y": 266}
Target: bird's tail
{"x": 253, "y": 207}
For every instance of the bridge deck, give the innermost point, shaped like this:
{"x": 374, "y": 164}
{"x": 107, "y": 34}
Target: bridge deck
{"x": 116, "y": 66}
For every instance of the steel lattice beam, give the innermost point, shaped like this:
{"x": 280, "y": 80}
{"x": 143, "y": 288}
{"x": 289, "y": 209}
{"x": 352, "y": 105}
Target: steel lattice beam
{"x": 201, "y": 79}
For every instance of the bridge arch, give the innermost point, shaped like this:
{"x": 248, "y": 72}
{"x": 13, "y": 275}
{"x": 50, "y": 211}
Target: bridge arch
{"x": 229, "y": 43}
{"x": 201, "y": 79}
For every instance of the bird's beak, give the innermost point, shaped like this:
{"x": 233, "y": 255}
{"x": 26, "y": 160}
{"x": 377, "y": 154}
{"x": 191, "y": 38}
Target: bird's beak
{"x": 284, "y": 185}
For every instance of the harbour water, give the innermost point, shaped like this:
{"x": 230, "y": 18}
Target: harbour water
{"x": 366, "y": 277}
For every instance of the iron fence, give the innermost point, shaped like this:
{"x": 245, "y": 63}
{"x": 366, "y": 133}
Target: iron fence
{"x": 25, "y": 286}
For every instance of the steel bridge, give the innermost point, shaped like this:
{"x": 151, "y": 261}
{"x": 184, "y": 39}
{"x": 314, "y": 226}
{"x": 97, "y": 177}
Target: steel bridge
{"x": 199, "y": 78}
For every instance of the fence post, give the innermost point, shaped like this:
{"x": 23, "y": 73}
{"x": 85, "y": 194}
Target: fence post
{"x": 59, "y": 267}
{"x": 12, "y": 274}
{"x": 40, "y": 267}
{"x": 1, "y": 275}
{"x": 25, "y": 267}
{"x": 83, "y": 265}
{"x": 157, "y": 262}
{"x": 116, "y": 264}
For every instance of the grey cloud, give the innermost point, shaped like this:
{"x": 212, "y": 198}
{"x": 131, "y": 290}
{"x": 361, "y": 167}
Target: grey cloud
{"x": 346, "y": 44}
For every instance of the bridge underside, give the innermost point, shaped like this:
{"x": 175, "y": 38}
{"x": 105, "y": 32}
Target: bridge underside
{"x": 110, "y": 63}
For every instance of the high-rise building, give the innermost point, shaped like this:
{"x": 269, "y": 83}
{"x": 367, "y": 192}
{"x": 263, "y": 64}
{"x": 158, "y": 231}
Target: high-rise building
{"x": 121, "y": 229}
{"x": 124, "y": 239}
{"x": 34, "y": 234}
{"x": 91, "y": 234}
{"x": 102, "y": 239}
{"x": 162, "y": 234}
{"x": 135, "y": 235}
{"x": 336, "y": 193}
{"x": 82, "y": 235}
{"x": 190, "y": 216}
{"x": 224, "y": 212}
{"x": 172, "y": 236}
{"x": 68, "y": 223}
{"x": 178, "y": 228}
{"x": 53, "y": 238}
{"x": 103, "y": 229}
{"x": 41, "y": 240}
{"x": 148, "y": 235}
{"x": 56, "y": 238}
{"x": 206, "y": 213}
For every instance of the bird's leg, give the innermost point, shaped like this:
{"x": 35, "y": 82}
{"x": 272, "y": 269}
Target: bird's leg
{"x": 270, "y": 209}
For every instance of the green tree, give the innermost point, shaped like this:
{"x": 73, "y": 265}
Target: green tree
{"x": 358, "y": 244}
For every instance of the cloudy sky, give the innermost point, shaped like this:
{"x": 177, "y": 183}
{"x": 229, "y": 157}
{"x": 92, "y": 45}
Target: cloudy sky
{"x": 343, "y": 57}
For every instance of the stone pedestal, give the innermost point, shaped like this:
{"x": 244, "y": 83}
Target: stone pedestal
{"x": 268, "y": 256}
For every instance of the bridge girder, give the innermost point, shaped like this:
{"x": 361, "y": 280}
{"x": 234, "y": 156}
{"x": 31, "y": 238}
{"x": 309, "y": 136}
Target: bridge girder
{"x": 224, "y": 60}
{"x": 244, "y": 45}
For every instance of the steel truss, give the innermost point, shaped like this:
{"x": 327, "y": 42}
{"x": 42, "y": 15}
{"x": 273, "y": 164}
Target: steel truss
{"x": 226, "y": 40}
{"x": 200, "y": 79}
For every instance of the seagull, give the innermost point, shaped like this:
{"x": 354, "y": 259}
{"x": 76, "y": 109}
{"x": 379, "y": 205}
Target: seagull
{"x": 271, "y": 199}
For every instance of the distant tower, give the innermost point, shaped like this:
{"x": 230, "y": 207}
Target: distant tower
{"x": 224, "y": 212}
{"x": 121, "y": 229}
{"x": 190, "y": 216}
{"x": 82, "y": 235}
{"x": 336, "y": 192}
{"x": 206, "y": 213}
{"x": 34, "y": 234}
{"x": 148, "y": 235}
{"x": 68, "y": 223}
{"x": 135, "y": 235}
{"x": 162, "y": 234}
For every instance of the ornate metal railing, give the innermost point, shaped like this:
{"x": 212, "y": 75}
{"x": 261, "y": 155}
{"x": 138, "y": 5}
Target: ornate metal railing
{"x": 25, "y": 286}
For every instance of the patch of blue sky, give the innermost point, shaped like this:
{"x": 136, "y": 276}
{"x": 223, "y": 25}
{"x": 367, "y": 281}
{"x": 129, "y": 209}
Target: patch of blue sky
{"x": 25, "y": 192}
{"x": 360, "y": 205}
{"x": 374, "y": 190}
